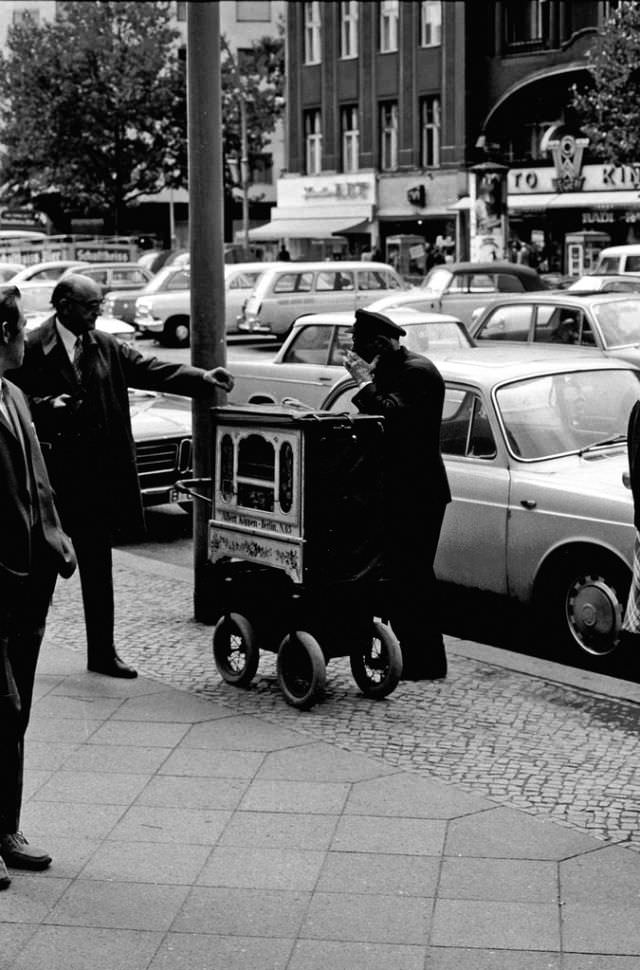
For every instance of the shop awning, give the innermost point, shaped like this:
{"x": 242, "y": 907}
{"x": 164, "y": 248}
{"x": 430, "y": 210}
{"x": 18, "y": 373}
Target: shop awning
{"x": 574, "y": 200}
{"x": 530, "y": 202}
{"x": 305, "y": 228}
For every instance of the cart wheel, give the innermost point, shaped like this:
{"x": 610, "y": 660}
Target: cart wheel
{"x": 377, "y": 667}
{"x": 301, "y": 670}
{"x": 234, "y": 649}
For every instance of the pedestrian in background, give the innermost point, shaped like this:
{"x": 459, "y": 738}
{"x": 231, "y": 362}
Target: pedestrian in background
{"x": 33, "y": 551}
{"x": 283, "y": 254}
{"x": 408, "y": 390}
{"x": 77, "y": 379}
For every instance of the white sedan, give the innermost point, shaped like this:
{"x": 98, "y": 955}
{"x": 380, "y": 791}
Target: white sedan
{"x": 535, "y": 448}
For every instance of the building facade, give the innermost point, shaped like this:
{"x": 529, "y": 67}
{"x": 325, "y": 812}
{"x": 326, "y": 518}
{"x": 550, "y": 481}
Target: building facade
{"x": 391, "y": 103}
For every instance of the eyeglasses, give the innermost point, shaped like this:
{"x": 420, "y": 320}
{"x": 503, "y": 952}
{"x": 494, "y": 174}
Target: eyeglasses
{"x": 95, "y": 305}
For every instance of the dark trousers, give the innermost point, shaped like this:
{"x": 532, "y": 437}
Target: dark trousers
{"x": 24, "y": 604}
{"x": 414, "y": 612}
{"x": 92, "y": 543}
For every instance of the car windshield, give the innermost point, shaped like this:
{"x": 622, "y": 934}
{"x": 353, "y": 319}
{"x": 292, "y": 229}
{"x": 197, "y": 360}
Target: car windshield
{"x": 423, "y": 338}
{"x": 619, "y": 321}
{"x": 557, "y": 414}
{"x": 436, "y": 280}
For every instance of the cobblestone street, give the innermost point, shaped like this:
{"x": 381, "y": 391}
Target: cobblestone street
{"x": 524, "y": 741}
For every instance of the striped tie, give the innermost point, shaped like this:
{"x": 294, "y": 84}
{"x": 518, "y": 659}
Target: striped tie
{"x": 77, "y": 358}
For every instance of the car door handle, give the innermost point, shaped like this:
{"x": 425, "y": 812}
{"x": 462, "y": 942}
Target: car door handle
{"x": 528, "y": 503}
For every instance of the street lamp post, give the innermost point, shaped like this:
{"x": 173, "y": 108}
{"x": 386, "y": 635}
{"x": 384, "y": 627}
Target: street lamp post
{"x": 244, "y": 174}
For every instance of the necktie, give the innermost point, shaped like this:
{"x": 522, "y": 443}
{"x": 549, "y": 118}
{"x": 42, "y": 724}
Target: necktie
{"x": 77, "y": 358}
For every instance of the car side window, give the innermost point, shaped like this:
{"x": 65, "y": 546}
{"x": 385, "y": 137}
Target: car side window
{"x": 127, "y": 276}
{"x": 244, "y": 281}
{"x": 293, "y": 283}
{"x": 371, "y": 279}
{"x": 465, "y": 428}
{"x": 507, "y": 323}
{"x": 482, "y": 283}
{"x": 561, "y": 325}
{"x": 99, "y": 275}
{"x": 390, "y": 281}
{"x": 509, "y": 283}
{"x": 179, "y": 281}
{"x": 328, "y": 281}
{"x": 310, "y": 346}
{"x": 632, "y": 265}
{"x": 343, "y": 341}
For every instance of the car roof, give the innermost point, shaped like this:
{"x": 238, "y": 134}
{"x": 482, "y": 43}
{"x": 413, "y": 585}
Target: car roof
{"x": 329, "y": 264}
{"x": 251, "y": 267}
{"x": 493, "y": 266}
{"x": 402, "y": 316}
{"x": 557, "y": 296}
{"x": 631, "y": 248}
{"x": 114, "y": 265}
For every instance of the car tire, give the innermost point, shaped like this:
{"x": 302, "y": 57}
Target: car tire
{"x": 235, "y": 650}
{"x": 377, "y": 665}
{"x": 301, "y": 670}
{"x": 581, "y": 602}
{"x": 176, "y": 332}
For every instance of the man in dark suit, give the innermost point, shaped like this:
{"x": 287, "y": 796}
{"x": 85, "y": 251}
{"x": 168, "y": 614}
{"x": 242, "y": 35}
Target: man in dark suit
{"x": 408, "y": 390}
{"x": 33, "y": 551}
{"x": 77, "y": 379}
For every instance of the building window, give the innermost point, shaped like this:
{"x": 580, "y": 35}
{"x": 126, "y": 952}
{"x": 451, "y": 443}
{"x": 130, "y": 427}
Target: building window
{"x": 181, "y": 13}
{"x": 389, "y": 136}
{"x": 253, "y": 11}
{"x": 312, "y": 33}
{"x": 261, "y": 169}
{"x": 350, "y": 138}
{"x": 526, "y": 23}
{"x": 431, "y": 23}
{"x": 349, "y": 29}
{"x": 313, "y": 141}
{"x": 430, "y": 132}
{"x": 389, "y": 11}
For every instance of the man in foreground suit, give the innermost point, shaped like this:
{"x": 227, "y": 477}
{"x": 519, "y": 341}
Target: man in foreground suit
{"x": 33, "y": 551}
{"x": 77, "y": 380}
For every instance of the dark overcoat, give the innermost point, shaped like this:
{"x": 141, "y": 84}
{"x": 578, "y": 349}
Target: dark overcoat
{"x": 24, "y": 483}
{"x": 633, "y": 448}
{"x": 409, "y": 391}
{"x": 88, "y": 446}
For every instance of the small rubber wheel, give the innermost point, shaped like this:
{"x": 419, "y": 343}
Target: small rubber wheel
{"x": 301, "y": 670}
{"x": 377, "y": 665}
{"x": 235, "y": 650}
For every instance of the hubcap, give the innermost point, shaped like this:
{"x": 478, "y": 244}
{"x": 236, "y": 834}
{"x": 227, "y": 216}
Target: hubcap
{"x": 594, "y": 614}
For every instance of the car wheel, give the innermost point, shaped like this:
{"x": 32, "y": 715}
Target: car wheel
{"x": 582, "y": 601}
{"x": 235, "y": 650}
{"x": 301, "y": 670}
{"x": 176, "y": 332}
{"x": 377, "y": 665}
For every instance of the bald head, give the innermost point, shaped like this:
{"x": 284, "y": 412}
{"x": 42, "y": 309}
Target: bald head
{"x": 77, "y": 300}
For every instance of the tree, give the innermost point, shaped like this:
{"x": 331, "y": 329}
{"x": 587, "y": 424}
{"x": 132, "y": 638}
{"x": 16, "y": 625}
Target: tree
{"x": 93, "y": 107}
{"x": 609, "y": 106}
{"x": 256, "y": 76}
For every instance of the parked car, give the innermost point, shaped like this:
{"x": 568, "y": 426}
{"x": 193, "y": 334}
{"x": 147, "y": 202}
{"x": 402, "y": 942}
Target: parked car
{"x": 287, "y": 291}
{"x": 161, "y": 425}
{"x": 309, "y": 362}
{"x": 9, "y": 270}
{"x": 590, "y": 283}
{"x": 462, "y": 288}
{"x": 619, "y": 259}
{"x": 48, "y": 270}
{"x": 535, "y": 449}
{"x": 113, "y": 276}
{"x": 36, "y": 306}
{"x": 165, "y": 312}
{"x": 169, "y": 279}
{"x": 607, "y": 321}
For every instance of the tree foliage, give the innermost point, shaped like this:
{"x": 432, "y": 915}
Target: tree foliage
{"x": 609, "y": 106}
{"x": 256, "y": 75}
{"x": 93, "y": 107}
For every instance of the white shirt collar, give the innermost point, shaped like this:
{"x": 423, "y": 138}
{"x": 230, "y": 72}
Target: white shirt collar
{"x": 68, "y": 339}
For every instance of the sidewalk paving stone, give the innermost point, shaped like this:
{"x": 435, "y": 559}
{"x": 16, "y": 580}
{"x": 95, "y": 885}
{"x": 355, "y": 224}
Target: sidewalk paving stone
{"x": 119, "y": 905}
{"x": 87, "y": 948}
{"x": 192, "y": 951}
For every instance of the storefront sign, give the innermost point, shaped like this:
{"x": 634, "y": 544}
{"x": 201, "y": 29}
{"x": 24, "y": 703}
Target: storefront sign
{"x": 337, "y": 190}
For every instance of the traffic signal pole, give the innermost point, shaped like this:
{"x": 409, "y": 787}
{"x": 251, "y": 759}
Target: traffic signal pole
{"x": 206, "y": 243}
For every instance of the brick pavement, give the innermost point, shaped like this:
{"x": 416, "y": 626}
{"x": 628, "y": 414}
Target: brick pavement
{"x": 523, "y": 741}
{"x": 222, "y": 830}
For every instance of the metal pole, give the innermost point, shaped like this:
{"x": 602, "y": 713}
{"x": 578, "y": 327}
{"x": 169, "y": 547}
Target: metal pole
{"x": 208, "y": 347}
{"x": 244, "y": 174}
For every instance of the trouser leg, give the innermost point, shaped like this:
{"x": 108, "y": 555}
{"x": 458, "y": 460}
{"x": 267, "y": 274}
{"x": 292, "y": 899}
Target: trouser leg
{"x": 92, "y": 545}
{"x": 22, "y": 626}
{"x": 415, "y": 614}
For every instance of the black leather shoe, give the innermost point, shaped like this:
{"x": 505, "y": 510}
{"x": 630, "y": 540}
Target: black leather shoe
{"x": 112, "y": 667}
{"x": 18, "y": 854}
